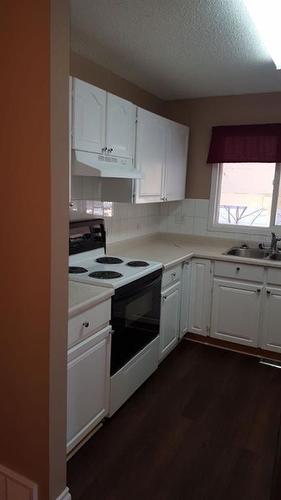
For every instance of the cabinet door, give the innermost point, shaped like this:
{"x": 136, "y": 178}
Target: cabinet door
{"x": 176, "y": 160}
{"x": 271, "y": 331}
{"x": 200, "y": 296}
{"x": 120, "y": 126}
{"x": 185, "y": 297}
{"x": 169, "y": 324}
{"x": 236, "y": 311}
{"x": 87, "y": 386}
{"x": 150, "y": 156}
{"x": 88, "y": 117}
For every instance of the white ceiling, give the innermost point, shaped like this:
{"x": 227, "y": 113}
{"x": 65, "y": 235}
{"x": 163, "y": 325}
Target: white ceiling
{"x": 175, "y": 48}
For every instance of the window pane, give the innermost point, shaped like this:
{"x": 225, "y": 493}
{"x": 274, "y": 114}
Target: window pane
{"x": 246, "y": 194}
{"x": 278, "y": 210}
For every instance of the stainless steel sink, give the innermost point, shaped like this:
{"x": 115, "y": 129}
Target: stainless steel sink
{"x": 252, "y": 253}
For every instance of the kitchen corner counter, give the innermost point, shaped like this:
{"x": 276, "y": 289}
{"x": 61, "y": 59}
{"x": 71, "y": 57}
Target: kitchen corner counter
{"x": 171, "y": 249}
{"x": 81, "y": 297}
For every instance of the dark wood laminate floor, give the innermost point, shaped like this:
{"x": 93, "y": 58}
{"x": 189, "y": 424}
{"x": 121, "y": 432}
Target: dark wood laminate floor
{"x": 205, "y": 426}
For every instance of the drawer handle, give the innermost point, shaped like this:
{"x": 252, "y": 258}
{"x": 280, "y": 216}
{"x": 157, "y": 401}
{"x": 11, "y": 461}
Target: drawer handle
{"x": 258, "y": 291}
{"x": 86, "y": 324}
{"x": 268, "y": 292}
{"x": 237, "y": 269}
{"x": 174, "y": 275}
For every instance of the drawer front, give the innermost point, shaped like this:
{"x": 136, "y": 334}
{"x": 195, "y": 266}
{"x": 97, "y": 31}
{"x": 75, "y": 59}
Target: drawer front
{"x": 82, "y": 325}
{"x": 171, "y": 276}
{"x": 239, "y": 271}
{"x": 274, "y": 276}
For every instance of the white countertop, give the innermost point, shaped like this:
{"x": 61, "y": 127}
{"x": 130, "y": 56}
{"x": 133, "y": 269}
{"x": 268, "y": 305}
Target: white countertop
{"x": 82, "y": 297}
{"x": 171, "y": 249}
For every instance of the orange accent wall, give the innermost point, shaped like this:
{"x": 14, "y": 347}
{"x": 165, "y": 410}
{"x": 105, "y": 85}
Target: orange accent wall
{"x": 25, "y": 238}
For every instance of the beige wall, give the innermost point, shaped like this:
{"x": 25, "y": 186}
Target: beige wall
{"x": 28, "y": 160}
{"x": 203, "y": 114}
{"x": 97, "y": 75}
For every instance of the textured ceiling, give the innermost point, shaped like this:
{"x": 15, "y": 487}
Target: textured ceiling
{"x": 175, "y": 48}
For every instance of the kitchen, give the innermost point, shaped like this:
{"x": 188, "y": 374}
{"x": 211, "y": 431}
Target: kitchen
{"x": 173, "y": 317}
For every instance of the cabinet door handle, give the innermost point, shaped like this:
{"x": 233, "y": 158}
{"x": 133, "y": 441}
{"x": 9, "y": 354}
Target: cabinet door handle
{"x": 86, "y": 324}
{"x": 268, "y": 292}
{"x": 237, "y": 269}
{"x": 104, "y": 149}
{"x": 110, "y": 150}
{"x": 258, "y": 291}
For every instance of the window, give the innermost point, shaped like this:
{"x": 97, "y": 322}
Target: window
{"x": 245, "y": 195}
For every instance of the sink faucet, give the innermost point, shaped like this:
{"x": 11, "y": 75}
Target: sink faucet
{"x": 274, "y": 241}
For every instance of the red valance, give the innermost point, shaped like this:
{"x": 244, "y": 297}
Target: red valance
{"x": 246, "y": 143}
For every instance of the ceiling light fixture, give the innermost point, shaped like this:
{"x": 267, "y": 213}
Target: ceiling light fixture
{"x": 266, "y": 15}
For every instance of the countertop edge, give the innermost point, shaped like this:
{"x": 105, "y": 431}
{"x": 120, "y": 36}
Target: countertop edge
{"x": 222, "y": 257}
{"x": 88, "y": 304}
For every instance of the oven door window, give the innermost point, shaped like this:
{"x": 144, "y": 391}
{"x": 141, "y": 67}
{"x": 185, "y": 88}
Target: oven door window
{"x": 135, "y": 318}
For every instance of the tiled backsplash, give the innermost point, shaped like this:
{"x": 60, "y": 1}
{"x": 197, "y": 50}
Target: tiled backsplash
{"x": 129, "y": 221}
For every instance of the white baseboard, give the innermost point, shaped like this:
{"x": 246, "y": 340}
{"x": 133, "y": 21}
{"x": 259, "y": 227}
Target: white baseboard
{"x": 13, "y": 485}
{"x": 65, "y": 495}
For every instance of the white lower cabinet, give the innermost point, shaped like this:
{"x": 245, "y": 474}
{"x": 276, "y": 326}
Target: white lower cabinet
{"x": 170, "y": 316}
{"x": 236, "y": 311}
{"x": 185, "y": 298}
{"x": 88, "y": 372}
{"x": 271, "y": 330}
{"x": 200, "y": 296}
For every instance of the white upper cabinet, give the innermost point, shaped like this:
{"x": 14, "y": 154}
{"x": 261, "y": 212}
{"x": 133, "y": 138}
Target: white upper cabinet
{"x": 102, "y": 122}
{"x": 120, "y": 127}
{"x": 150, "y": 156}
{"x": 88, "y": 117}
{"x": 176, "y": 160}
{"x": 161, "y": 156}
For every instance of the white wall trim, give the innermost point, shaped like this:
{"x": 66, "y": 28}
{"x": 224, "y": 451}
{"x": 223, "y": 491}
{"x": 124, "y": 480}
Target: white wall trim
{"x": 65, "y": 495}
{"x": 12, "y": 483}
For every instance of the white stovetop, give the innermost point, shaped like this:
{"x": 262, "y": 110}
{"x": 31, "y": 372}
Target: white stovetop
{"x": 128, "y": 273}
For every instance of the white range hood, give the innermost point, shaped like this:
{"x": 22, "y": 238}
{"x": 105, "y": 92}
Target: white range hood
{"x": 98, "y": 165}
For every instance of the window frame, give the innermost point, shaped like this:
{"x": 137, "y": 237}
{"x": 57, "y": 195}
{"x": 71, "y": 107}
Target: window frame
{"x": 213, "y": 224}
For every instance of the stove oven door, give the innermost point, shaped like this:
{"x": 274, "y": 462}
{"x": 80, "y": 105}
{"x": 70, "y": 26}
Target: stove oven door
{"x": 135, "y": 318}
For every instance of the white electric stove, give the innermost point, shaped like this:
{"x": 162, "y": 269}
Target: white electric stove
{"x": 135, "y": 306}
